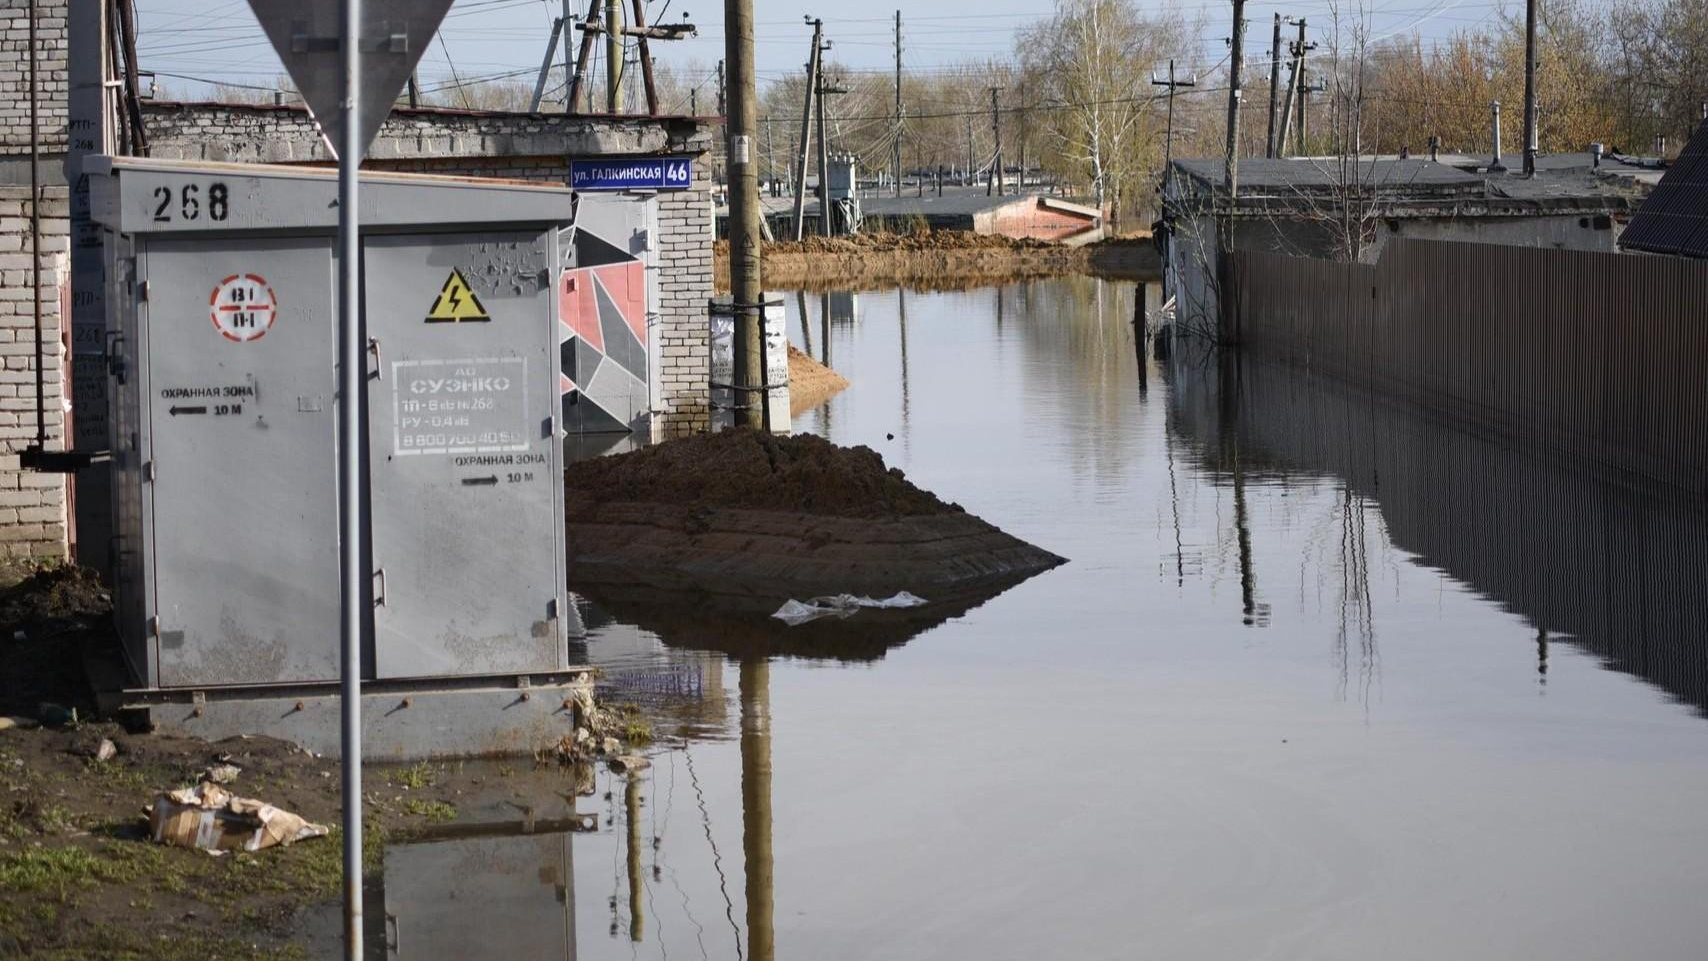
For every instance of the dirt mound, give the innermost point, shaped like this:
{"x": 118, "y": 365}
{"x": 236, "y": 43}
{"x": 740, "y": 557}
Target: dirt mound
{"x": 753, "y": 470}
{"x": 882, "y": 242}
{"x": 59, "y": 593}
{"x": 810, "y": 382}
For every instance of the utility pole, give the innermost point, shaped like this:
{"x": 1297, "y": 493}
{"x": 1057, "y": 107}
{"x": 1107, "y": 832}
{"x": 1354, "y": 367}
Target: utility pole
{"x": 1274, "y": 89}
{"x": 1530, "y": 88}
{"x": 568, "y": 67}
{"x": 995, "y": 180}
{"x": 770, "y": 154}
{"x": 967, "y": 175}
{"x": 1306, "y": 88}
{"x": 613, "y": 58}
{"x": 558, "y": 27}
{"x": 1168, "y": 138}
{"x": 693, "y": 101}
{"x": 1305, "y": 49}
{"x": 825, "y": 216}
{"x": 1020, "y": 135}
{"x": 1295, "y": 80}
{"x": 896, "y": 160}
{"x": 1226, "y": 309}
{"x": 744, "y": 215}
{"x": 806, "y": 127}
{"x": 723, "y": 91}
{"x": 1236, "y": 61}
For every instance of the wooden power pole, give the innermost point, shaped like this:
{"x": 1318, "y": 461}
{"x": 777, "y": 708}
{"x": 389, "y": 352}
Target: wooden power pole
{"x": 806, "y": 129}
{"x": 1272, "y": 150}
{"x": 613, "y": 58}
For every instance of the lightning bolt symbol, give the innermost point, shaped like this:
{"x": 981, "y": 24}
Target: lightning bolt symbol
{"x": 456, "y": 297}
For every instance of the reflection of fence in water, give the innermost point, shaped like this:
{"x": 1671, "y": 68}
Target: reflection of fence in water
{"x": 678, "y": 680}
{"x": 1598, "y": 356}
{"x": 1619, "y": 571}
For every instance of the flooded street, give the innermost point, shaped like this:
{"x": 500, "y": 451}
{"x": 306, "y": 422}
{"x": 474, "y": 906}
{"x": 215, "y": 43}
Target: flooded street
{"x": 1322, "y": 679}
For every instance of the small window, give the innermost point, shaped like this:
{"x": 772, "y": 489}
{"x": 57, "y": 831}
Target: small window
{"x": 1603, "y": 222}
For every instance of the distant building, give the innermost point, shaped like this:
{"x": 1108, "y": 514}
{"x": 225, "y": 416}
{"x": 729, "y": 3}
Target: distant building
{"x": 1019, "y": 216}
{"x": 1348, "y": 209}
{"x": 1674, "y": 217}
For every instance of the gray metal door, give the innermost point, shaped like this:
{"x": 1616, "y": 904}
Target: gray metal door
{"x": 238, "y": 454}
{"x": 467, "y": 509}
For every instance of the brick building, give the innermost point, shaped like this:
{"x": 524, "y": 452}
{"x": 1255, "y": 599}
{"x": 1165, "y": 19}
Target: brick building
{"x": 32, "y": 506}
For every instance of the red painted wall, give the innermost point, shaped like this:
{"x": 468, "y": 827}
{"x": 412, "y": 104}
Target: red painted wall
{"x": 1033, "y": 221}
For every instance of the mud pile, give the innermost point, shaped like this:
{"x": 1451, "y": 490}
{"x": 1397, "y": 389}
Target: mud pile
{"x": 940, "y": 260}
{"x": 810, "y": 382}
{"x": 750, "y": 469}
{"x": 743, "y": 513}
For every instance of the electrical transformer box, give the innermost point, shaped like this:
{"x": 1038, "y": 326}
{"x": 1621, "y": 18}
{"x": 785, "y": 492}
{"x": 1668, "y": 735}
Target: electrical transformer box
{"x": 223, "y": 361}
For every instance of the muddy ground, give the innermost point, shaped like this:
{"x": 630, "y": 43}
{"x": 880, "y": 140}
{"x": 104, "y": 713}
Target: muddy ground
{"x": 79, "y": 878}
{"x": 944, "y": 260}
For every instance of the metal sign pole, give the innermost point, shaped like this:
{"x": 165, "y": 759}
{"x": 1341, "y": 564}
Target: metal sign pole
{"x": 352, "y": 367}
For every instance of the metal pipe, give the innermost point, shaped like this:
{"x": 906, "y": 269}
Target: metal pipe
{"x": 36, "y": 239}
{"x": 1530, "y": 88}
{"x": 1495, "y": 166}
{"x": 352, "y": 370}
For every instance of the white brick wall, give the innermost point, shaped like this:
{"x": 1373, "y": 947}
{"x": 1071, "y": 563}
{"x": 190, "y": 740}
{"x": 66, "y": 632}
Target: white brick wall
{"x": 32, "y": 505}
{"x": 15, "y": 76}
{"x": 684, "y": 287}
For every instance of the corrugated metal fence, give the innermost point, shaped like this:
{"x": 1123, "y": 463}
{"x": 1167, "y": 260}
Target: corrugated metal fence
{"x": 1599, "y": 356}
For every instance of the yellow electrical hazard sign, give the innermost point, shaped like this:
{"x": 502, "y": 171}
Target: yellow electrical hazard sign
{"x": 457, "y": 303}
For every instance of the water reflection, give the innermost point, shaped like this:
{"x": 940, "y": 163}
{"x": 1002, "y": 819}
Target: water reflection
{"x": 1290, "y": 691}
{"x": 1617, "y": 569}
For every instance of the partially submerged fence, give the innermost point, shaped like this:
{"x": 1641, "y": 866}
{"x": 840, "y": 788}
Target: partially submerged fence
{"x": 1599, "y": 356}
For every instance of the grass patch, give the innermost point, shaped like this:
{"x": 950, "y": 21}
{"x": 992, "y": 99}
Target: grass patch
{"x": 434, "y": 811}
{"x": 415, "y": 777}
{"x": 58, "y": 870}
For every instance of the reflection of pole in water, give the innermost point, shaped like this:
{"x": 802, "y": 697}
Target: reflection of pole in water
{"x": 1174, "y": 503}
{"x": 1229, "y": 399}
{"x": 999, "y": 308}
{"x": 756, "y": 806}
{"x": 631, "y": 805}
{"x": 1141, "y": 325}
{"x": 901, "y": 309}
{"x": 824, "y": 327}
{"x": 1355, "y": 603}
{"x": 1542, "y": 658}
{"x": 806, "y": 327}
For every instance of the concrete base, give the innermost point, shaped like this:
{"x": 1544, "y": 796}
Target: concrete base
{"x": 401, "y": 720}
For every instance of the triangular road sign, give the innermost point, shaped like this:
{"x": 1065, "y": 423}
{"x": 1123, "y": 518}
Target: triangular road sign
{"x": 307, "y": 35}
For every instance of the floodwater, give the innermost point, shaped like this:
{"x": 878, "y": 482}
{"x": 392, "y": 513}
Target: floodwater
{"x": 1323, "y": 679}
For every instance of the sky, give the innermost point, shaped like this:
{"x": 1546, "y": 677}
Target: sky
{"x": 191, "y": 43}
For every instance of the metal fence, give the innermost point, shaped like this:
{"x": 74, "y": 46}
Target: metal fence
{"x": 1602, "y": 357}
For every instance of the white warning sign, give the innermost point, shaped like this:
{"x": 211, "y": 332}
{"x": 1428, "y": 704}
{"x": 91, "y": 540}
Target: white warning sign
{"x": 243, "y": 307}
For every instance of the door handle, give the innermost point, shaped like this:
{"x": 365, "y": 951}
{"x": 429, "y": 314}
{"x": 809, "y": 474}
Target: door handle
{"x": 378, "y": 373}
{"x": 379, "y": 592}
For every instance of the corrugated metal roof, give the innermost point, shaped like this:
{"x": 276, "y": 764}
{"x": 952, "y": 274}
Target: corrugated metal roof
{"x": 1324, "y": 172}
{"x": 1674, "y": 218}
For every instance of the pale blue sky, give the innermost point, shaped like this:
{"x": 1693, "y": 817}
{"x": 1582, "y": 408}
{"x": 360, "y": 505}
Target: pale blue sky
{"x": 218, "y": 39}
